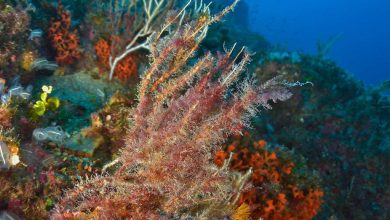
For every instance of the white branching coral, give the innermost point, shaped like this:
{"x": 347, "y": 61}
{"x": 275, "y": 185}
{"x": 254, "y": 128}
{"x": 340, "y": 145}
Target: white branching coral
{"x": 152, "y": 10}
{"x": 187, "y": 107}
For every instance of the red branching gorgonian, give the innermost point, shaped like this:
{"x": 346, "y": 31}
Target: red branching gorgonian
{"x": 186, "y": 108}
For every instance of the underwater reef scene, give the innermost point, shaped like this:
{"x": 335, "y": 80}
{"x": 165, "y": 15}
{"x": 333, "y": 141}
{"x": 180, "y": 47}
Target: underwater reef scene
{"x": 167, "y": 109}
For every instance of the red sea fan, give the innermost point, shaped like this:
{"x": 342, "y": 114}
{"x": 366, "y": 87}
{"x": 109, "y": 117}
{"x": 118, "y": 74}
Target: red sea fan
{"x": 186, "y": 109}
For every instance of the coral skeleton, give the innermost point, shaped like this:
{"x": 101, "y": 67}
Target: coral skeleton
{"x": 186, "y": 109}
{"x": 153, "y": 10}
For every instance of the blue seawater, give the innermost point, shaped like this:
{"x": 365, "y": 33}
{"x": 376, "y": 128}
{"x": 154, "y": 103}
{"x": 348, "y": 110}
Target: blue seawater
{"x": 361, "y": 30}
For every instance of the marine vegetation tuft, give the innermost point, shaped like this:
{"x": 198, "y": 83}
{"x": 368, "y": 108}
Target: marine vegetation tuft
{"x": 186, "y": 109}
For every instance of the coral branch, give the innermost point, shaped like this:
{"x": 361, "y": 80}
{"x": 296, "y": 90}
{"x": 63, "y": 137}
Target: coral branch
{"x": 152, "y": 9}
{"x": 166, "y": 170}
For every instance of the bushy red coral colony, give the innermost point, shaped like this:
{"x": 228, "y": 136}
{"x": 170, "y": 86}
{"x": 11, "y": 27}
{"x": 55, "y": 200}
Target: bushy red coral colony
{"x": 63, "y": 40}
{"x": 124, "y": 70}
{"x": 289, "y": 201}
